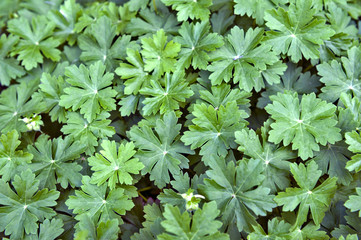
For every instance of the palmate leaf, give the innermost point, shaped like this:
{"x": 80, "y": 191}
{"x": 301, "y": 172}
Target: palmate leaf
{"x": 160, "y": 55}
{"x": 101, "y": 44}
{"x": 196, "y": 42}
{"x": 114, "y": 167}
{"x": 203, "y": 226}
{"x": 15, "y": 103}
{"x": 245, "y": 58}
{"x": 213, "y": 129}
{"x": 198, "y": 9}
{"x": 65, "y": 19}
{"x": 237, "y": 192}
{"x": 297, "y": 31}
{"x": 256, "y": 8}
{"x": 87, "y": 229}
{"x": 308, "y": 197}
{"x": 274, "y": 157}
{"x": 306, "y": 124}
{"x": 134, "y": 72}
{"x": 10, "y": 158}
{"x": 52, "y": 161}
{"x": 87, "y": 132}
{"x": 20, "y": 211}
{"x": 160, "y": 149}
{"x": 9, "y": 67}
{"x": 35, "y": 40}
{"x": 49, "y": 230}
{"x": 165, "y": 98}
{"x": 98, "y": 204}
{"x": 90, "y": 90}
{"x": 340, "y": 77}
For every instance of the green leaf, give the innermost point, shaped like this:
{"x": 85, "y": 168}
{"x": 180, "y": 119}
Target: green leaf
{"x": 256, "y": 8}
{"x": 165, "y": 98}
{"x": 308, "y": 196}
{"x": 160, "y": 149}
{"x": 298, "y": 31}
{"x": 341, "y": 77}
{"x": 10, "y": 158}
{"x": 237, "y": 192}
{"x": 244, "y": 58}
{"x": 65, "y": 19}
{"x": 49, "y": 230}
{"x": 99, "y": 205}
{"x": 214, "y": 128}
{"x": 90, "y": 90}
{"x": 306, "y": 124}
{"x": 15, "y": 103}
{"x": 198, "y": 9}
{"x": 353, "y": 139}
{"x": 101, "y": 44}
{"x": 274, "y": 158}
{"x": 160, "y": 55}
{"x": 112, "y": 167}
{"x": 148, "y": 22}
{"x": 9, "y": 67}
{"x": 332, "y": 160}
{"x": 354, "y": 202}
{"x": 277, "y": 229}
{"x": 52, "y": 161}
{"x": 88, "y": 230}
{"x": 36, "y": 40}
{"x": 134, "y": 73}
{"x": 196, "y": 42}
{"x": 51, "y": 89}
{"x": 293, "y": 80}
{"x": 21, "y": 210}
{"x": 203, "y": 226}
{"x": 86, "y": 132}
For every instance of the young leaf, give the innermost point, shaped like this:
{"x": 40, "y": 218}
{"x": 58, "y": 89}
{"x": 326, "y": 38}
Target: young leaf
{"x": 52, "y": 164}
{"x": 99, "y": 205}
{"x": 196, "y": 9}
{"x": 196, "y": 42}
{"x": 213, "y": 129}
{"x": 114, "y": 167}
{"x": 9, "y": 67}
{"x": 10, "y": 158}
{"x": 159, "y": 54}
{"x": 165, "y": 99}
{"x": 21, "y": 210}
{"x": 244, "y": 57}
{"x": 237, "y": 192}
{"x": 308, "y": 196}
{"x": 297, "y": 31}
{"x": 90, "y": 90}
{"x": 35, "y": 40}
{"x": 160, "y": 149}
{"x": 305, "y": 124}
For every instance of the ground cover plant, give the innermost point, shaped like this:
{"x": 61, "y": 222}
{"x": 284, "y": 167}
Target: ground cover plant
{"x": 180, "y": 119}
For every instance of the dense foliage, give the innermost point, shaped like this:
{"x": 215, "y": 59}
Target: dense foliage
{"x": 180, "y": 119}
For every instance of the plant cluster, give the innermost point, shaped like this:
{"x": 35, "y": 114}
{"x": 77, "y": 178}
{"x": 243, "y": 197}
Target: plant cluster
{"x": 180, "y": 119}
